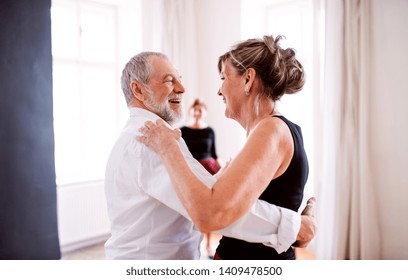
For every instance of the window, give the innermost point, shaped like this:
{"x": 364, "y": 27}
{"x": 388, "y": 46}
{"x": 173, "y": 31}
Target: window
{"x": 87, "y": 99}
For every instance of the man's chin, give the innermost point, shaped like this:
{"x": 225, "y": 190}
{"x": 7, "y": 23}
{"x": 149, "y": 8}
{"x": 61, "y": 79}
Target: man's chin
{"x": 176, "y": 118}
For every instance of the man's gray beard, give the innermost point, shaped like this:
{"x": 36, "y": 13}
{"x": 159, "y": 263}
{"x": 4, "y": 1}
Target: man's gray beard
{"x": 163, "y": 110}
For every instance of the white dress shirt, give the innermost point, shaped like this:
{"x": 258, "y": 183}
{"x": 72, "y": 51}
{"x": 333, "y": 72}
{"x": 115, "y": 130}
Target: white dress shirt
{"x": 148, "y": 221}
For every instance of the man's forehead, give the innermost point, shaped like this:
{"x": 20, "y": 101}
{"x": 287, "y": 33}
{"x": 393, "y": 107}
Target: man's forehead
{"x": 162, "y": 66}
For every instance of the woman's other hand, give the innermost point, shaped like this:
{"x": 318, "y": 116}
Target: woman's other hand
{"x": 308, "y": 226}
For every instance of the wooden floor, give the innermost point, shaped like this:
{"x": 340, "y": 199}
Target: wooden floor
{"x": 96, "y": 252}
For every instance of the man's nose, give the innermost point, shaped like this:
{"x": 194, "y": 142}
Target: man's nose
{"x": 178, "y": 87}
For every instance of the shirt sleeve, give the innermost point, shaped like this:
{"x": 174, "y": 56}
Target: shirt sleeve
{"x": 155, "y": 181}
{"x": 265, "y": 223}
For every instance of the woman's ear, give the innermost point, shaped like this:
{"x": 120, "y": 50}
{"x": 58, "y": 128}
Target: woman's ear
{"x": 137, "y": 92}
{"x": 249, "y": 78}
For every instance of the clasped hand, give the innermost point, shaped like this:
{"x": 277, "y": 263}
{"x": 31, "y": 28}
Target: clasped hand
{"x": 158, "y": 136}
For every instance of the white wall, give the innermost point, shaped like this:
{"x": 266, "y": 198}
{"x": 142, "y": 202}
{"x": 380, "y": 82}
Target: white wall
{"x": 389, "y": 128}
{"x": 82, "y": 215}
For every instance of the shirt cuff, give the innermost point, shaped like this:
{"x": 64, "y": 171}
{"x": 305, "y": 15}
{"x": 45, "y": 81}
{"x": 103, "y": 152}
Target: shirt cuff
{"x": 288, "y": 230}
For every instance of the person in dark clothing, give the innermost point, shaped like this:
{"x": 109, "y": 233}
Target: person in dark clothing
{"x": 272, "y": 165}
{"x": 200, "y": 140}
{"x": 200, "y": 137}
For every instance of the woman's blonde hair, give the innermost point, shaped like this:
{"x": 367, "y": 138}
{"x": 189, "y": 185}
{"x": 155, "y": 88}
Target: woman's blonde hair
{"x": 278, "y": 69}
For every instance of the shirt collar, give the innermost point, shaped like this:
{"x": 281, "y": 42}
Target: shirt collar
{"x": 139, "y": 112}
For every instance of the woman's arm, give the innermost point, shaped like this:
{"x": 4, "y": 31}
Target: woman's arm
{"x": 264, "y": 157}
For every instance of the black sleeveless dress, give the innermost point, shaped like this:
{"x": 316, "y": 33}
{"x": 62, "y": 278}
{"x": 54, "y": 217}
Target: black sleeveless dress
{"x": 285, "y": 191}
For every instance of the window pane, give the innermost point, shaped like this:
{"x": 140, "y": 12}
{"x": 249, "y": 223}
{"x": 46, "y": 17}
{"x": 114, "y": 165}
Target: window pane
{"x": 65, "y": 30}
{"x": 87, "y": 105}
{"x": 97, "y": 33}
{"x": 100, "y": 117}
{"x": 67, "y": 120}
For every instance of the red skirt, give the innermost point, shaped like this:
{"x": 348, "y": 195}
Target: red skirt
{"x": 210, "y": 164}
{"x": 217, "y": 258}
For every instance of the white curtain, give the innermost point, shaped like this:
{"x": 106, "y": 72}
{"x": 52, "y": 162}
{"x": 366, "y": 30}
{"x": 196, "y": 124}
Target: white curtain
{"x": 348, "y": 226}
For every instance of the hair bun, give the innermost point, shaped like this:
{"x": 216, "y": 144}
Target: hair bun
{"x": 270, "y": 43}
{"x": 278, "y": 70}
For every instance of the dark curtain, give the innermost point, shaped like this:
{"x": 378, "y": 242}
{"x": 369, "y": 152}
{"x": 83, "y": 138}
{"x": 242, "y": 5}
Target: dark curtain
{"x": 28, "y": 214}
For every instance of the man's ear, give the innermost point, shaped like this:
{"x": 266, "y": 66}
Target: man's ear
{"x": 137, "y": 91}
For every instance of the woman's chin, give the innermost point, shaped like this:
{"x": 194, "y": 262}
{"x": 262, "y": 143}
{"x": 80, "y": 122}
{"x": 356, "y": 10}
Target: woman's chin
{"x": 228, "y": 114}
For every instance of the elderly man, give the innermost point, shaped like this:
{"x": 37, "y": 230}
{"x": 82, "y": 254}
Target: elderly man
{"x": 148, "y": 220}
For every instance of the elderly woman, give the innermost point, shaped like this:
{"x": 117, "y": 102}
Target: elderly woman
{"x": 271, "y": 166}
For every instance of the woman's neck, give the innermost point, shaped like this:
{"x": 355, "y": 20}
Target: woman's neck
{"x": 198, "y": 124}
{"x": 257, "y": 111}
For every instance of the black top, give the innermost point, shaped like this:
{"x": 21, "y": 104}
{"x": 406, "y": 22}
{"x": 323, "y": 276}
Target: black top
{"x": 200, "y": 142}
{"x": 285, "y": 191}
